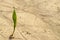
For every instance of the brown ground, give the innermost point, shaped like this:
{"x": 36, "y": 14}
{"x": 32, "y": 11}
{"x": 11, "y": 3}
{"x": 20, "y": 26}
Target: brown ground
{"x": 37, "y": 19}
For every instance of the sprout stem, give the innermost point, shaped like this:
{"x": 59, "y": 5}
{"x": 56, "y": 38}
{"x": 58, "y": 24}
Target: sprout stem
{"x": 14, "y": 17}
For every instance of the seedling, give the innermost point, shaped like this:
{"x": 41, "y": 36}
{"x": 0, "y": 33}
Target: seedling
{"x": 14, "y": 17}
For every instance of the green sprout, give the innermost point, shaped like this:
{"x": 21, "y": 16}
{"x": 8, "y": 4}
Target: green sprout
{"x": 14, "y": 17}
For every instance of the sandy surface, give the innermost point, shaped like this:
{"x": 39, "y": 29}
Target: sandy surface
{"x": 36, "y": 19}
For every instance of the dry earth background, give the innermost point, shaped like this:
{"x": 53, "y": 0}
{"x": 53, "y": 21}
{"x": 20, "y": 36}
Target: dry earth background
{"x": 37, "y": 19}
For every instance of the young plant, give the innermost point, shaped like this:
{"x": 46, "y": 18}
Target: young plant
{"x": 14, "y": 17}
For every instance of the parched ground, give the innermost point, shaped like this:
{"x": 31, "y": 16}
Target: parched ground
{"x": 36, "y": 19}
